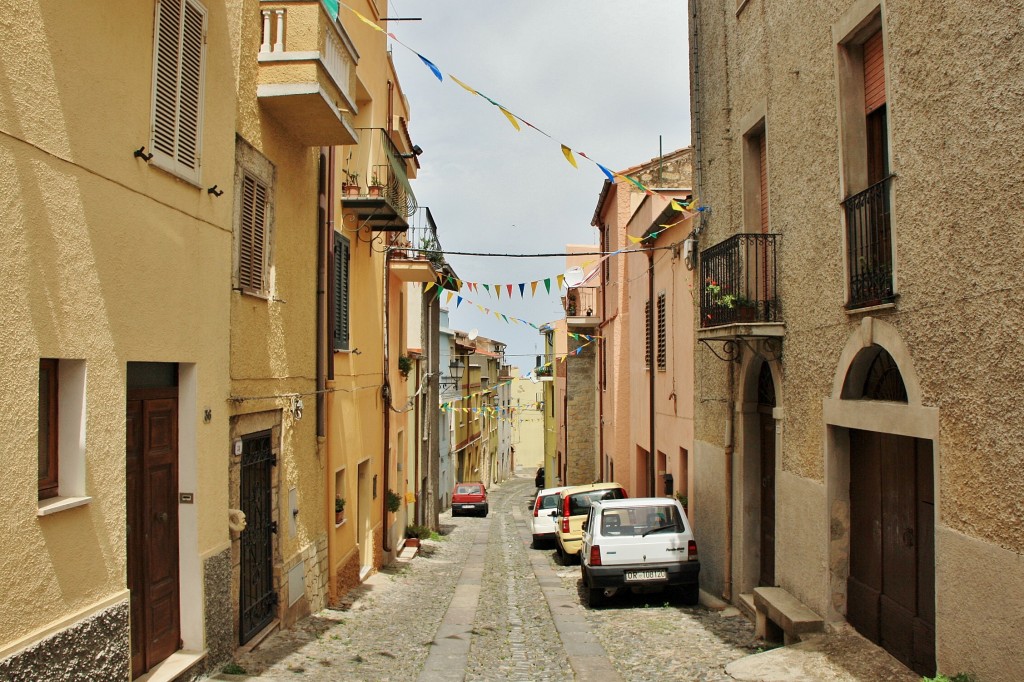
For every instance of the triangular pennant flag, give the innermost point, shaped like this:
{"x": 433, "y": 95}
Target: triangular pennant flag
{"x": 497, "y": 290}
{"x": 497, "y": 314}
{"x": 332, "y": 8}
{"x": 458, "y": 282}
{"x": 522, "y": 289}
{"x": 675, "y": 206}
{"x": 505, "y": 318}
{"x": 547, "y": 284}
{"x": 365, "y": 20}
{"x": 464, "y": 86}
{"x": 509, "y": 286}
{"x": 488, "y": 288}
{"x": 429, "y": 286}
{"x": 568, "y": 156}
{"x": 431, "y": 66}
{"x": 516, "y": 320}
{"x": 510, "y": 117}
{"x": 607, "y": 172}
{"x": 635, "y": 240}
{"x": 533, "y": 287}
{"x": 449, "y": 299}
{"x": 458, "y": 302}
{"x": 560, "y": 279}
{"x": 482, "y": 309}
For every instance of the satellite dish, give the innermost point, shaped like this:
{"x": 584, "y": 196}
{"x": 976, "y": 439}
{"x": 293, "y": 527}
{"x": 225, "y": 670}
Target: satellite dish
{"x": 574, "y": 276}
{"x": 473, "y": 333}
{"x": 533, "y": 377}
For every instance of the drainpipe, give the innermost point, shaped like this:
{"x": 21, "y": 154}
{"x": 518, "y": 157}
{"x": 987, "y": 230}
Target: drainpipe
{"x": 325, "y": 222}
{"x": 729, "y": 440}
{"x": 386, "y": 399}
{"x": 651, "y": 473}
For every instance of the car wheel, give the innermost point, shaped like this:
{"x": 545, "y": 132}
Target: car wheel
{"x": 560, "y": 555}
{"x": 689, "y": 594}
{"x": 595, "y": 596}
{"x": 536, "y": 542}
{"x": 486, "y": 509}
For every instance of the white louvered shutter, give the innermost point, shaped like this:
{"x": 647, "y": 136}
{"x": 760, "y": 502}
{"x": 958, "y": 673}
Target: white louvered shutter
{"x": 179, "y": 65}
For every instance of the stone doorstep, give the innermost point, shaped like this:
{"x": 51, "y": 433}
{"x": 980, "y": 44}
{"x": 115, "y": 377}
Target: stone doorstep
{"x": 745, "y": 603}
{"x": 786, "y": 611}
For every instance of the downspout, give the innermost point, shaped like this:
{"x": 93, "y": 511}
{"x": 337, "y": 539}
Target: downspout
{"x": 385, "y": 394}
{"x": 325, "y": 221}
{"x": 601, "y": 356}
{"x": 729, "y": 428}
{"x": 651, "y": 473}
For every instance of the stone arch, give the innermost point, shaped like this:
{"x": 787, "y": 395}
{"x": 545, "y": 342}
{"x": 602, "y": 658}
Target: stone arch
{"x": 853, "y": 361}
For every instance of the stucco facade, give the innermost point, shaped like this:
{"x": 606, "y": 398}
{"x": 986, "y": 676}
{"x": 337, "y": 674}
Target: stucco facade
{"x": 792, "y": 76}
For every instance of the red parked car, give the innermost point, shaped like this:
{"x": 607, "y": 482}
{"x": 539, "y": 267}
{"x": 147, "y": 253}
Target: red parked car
{"x": 469, "y": 498}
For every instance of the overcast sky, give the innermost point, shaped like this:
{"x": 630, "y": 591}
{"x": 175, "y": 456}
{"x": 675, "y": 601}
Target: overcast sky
{"x": 605, "y": 77}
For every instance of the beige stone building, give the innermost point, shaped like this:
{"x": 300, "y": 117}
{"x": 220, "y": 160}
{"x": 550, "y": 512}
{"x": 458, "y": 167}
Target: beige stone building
{"x": 856, "y": 438}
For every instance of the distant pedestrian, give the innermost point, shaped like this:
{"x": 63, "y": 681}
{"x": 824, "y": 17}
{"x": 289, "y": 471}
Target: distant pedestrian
{"x": 539, "y": 479}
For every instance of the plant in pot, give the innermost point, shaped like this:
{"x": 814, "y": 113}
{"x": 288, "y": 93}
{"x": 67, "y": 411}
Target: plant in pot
{"x": 683, "y": 500}
{"x": 350, "y": 187}
{"x": 376, "y": 186}
{"x": 339, "y": 509}
{"x": 404, "y": 365}
{"x": 414, "y": 533}
{"x": 394, "y": 501}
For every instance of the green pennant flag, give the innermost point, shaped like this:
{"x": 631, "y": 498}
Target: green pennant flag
{"x": 547, "y": 284}
{"x": 487, "y": 287}
{"x": 332, "y": 8}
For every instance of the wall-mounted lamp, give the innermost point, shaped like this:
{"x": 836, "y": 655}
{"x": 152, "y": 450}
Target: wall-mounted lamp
{"x": 140, "y": 153}
{"x": 416, "y": 151}
{"x": 456, "y": 369}
{"x": 297, "y": 408}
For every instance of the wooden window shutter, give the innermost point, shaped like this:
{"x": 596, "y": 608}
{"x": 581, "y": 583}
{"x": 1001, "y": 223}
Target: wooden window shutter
{"x": 341, "y": 300}
{"x": 48, "y": 471}
{"x": 874, "y": 73}
{"x": 253, "y": 235}
{"x": 662, "y": 331}
{"x": 649, "y": 333}
{"x": 179, "y": 64}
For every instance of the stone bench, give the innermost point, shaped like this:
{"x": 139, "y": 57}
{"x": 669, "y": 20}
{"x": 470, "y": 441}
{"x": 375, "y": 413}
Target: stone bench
{"x": 779, "y": 612}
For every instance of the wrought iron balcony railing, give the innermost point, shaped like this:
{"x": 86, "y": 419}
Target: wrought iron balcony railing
{"x": 375, "y": 170}
{"x": 738, "y": 281}
{"x": 869, "y": 246}
{"x": 582, "y": 302}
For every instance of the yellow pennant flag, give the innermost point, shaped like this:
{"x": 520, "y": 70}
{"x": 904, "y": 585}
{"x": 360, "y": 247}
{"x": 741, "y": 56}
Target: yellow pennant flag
{"x": 533, "y": 287}
{"x": 450, "y": 295}
{"x": 675, "y": 206}
{"x": 635, "y": 240}
{"x": 510, "y": 117}
{"x": 466, "y": 87}
{"x": 429, "y": 286}
{"x": 482, "y": 309}
{"x": 558, "y": 281}
{"x": 366, "y": 21}
{"x": 568, "y": 156}
{"x": 497, "y": 314}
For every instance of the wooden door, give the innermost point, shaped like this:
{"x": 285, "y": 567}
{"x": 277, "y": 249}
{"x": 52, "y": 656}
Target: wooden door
{"x": 890, "y": 591}
{"x": 767, "y": 576}
{"x": 152, "y": 525}
{"x": 257, "y": 602}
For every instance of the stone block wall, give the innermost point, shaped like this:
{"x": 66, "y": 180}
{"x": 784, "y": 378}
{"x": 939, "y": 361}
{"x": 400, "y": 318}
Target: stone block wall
{"x": 581, "y": 413}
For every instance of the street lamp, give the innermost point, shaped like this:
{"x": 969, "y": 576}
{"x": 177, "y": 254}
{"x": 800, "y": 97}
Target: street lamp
{"x": 455, "y": 370}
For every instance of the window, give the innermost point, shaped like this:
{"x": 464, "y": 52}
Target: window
{"x": 48, "y": 415}
{"x": 61, "y": 437}
{"x": 252, "y": 241}
{"x": 662, "y": 330}
{"x": 341, "y": 283}
{"x": 178, "y": 67}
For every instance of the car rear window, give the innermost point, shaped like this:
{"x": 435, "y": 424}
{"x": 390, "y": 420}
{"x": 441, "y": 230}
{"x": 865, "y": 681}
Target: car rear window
{"x": 467, "y": 490}
{"x": 579, "y": 503}
{"x": 549, "y": 502}
{"x": 639, "y": 520}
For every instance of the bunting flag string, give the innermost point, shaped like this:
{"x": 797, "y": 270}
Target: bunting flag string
{"x": 512, "y": 117}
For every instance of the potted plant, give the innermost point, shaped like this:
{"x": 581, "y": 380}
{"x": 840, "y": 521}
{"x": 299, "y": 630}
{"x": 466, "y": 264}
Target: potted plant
{"x": 683, "y": 500}
{"x": 721, "y": 298}
{"x": 350, "y": 186}
{"x": 339, "y": 509}
{"x": 404, "y": 365}
{"x": 376, "y": 187}
{"x": 414, "y": 533}
{"x": 394, "y": 501}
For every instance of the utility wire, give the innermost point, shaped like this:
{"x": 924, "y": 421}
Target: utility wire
{"x": 541, "y": 255}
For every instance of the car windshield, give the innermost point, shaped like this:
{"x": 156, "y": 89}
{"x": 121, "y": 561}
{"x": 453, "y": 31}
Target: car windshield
{"x": 579, "y": 503}
{"x": 468, "y": 490}
{"x": 641, "y": 520}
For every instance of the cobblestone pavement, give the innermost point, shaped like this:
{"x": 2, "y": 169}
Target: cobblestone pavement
{"x": 480, "y": 605}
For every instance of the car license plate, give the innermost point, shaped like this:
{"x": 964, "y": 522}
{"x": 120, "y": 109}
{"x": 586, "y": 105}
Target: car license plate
{"x": 638, "y": 576}
{"x": 468, "y": 506}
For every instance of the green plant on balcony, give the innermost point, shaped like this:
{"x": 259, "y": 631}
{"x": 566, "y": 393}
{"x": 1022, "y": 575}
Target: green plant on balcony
{"x": 350, "y": 186}
{"x": 404, "y": 365}
{"x": 431, "y": 250}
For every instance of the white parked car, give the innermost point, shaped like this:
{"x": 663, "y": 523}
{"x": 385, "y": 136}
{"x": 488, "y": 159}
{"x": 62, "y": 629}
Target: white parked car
{"x": 542, "y": 521}
{"x": 638, "y": 543}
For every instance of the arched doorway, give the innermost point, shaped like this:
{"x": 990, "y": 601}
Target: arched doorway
{"x": 890, "y": 589}
{"x": 766, "y": 422}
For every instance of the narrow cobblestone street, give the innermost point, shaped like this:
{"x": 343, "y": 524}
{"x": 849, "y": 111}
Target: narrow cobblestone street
{"x": 480, "y": 604}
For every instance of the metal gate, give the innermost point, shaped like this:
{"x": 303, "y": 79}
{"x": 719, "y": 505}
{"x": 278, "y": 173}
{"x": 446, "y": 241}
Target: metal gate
{"x": 257, "y": 601}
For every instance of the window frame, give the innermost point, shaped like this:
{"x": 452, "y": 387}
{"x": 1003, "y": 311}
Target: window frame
{"x": 168, "y": 146}
{"x": 341, "y": 310}
{"x": 49, "y": 375}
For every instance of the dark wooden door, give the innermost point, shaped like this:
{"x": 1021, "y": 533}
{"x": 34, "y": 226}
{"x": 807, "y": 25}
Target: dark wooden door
{"x": 767, "y": 576}
{"x": 257, "y": 602}
{"x": 152, "y": 525}
{"x": 891, "y": 588}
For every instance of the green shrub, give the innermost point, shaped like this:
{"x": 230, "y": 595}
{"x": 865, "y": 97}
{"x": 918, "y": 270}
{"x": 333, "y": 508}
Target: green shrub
{"x": 414, "y": 530}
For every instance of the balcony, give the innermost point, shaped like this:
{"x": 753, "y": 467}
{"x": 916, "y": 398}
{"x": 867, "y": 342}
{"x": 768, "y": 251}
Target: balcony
{"x": 416, "y": 255}
{"x": 307, "y": 72}
{"x": 738, "y": 289}
{"x": 581, "y": 307}
{"x": 869, "y": 246}
{"x": 375, "y": 182}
